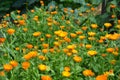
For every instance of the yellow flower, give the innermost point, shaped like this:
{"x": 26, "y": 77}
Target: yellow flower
{"x": 81, "y": 37}
{"x": 88, "y": 72}
{"x": 10, "y": 31}
{"x": 73, "y": 35}
{"x": 107, "y": 25}
{"x": 66, "y": 74}
{"x": 94, "y": 26}
{"x": 42, "y": 57}
{"x": 36, "y": 34}
{"x": 46, "y": 77}
{"x": 77, "y": 59}
{"x": 91, "y": 33}
{"x": 110, "y": 50}
{"x": 25, "y": 65}
{"x": 7, "y": 67}
{"x": 92, "y": 52}
{"x": 14, "y": 63}
{"x": 42, "y": 67}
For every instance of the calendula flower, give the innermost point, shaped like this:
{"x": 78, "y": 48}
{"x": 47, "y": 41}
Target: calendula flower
{"x": 46, "y": 77}
{"x": 2, "y": 73}
{"x": 25, "y": 65}
{"x": 102, "y": 77}
{"x": 29, "y": 46}
{"x": 66, "y": 68}
{"x": 92, "y": 52}
{"x": 2, "y": 40}
{"x": 110, "y": 50}
{"x": 77, "y": 59}
{"x": 81, "y": 37}
{"x": 94, "y": 26}
{"x": 73, "y": 35}
{"x": 88, "y": 72}
{"x": 88, "y": 46}
{"x": 7, "y": 67}
{"x": 22, "y": 22}
{"x": 91, "y": 33}
{"x": 48, "y": 35}
{"x": 42, "y": 67}
{"x": 45, "y": 51}
{"x": 14, "y": 63}
{"x": 66, "y": 74}
{"x": 10, "y": 31}
{"x": 42, "y": 57}
{"x": 36, "y": 34}
{"x": 107, "y": 25}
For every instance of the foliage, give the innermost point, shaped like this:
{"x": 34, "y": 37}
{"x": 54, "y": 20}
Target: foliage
{"x": 55, "y": 42}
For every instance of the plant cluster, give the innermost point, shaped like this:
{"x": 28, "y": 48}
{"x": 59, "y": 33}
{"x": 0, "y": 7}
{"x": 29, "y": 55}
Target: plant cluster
{"x": 52, "y": 43}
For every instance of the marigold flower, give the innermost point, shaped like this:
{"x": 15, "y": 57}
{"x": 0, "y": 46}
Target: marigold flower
{"x": 73, "y": 35}
{"x": 77, "y": 59}
{"x": 2, "y": 40}
{"x": 92, "y": 52}
{"x": 46, "y": 77}
{"x": 42, "y": 57}
{"x": 14, "y": 63}
{"x": 88, "y": 72}
{"x": 36, "y": 34}
{"x": 94, "y": 26}
{"x": 88, "y": 46}
{"x": 78, "y": 32}
{"x": 107, "y": 25}
{"x": 66, "y": 68}
{"x": 45, "y": 51}
{"x": 91, "y": 33}
{"x": 2, "y": 73}
{"x": 45, "y": 45}
{"x": 66, "y": 74}
{"x": 110, "y": 50}
{"x": 101, "y": 77}
{"x": 112, "y": 6}
{"x": 25, "y": 29}
{"x": 67, "y": 39}
{"x": 74, "y": 51}
{"x": 7, "y": 67}
{"x": 25, "y": 65}
{"x": 17, "y": 48}
{"x": 22, "y": 22}
{"x": 84, "y": 28}
{"x": 81, "y": 37}
{"x": 10, "y": 31}
{"x": 48, "y": 35}
{"x": 69, "y": 53}
{"x": 42, "y": 67}
{"x": 29, "y": 46}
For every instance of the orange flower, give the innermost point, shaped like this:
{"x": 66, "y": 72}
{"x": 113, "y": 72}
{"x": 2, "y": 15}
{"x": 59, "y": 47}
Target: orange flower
{"x": 66, "y": 68}
{"x": 21, "y": 22}
{"x": 112, "y": 6}
{"x": 88, "y": 72}
{"x": 10, "y": 31}
{"x": 17, "y": 48}
{"x": 78, "y": 32}
{"x": 30, "y": 55}
{"x": 2, "y": 73}
{"x": 88, "y": 46}
{"x": 94, "y": 26}
{"x": 42, "y": 57}
{"x": 29, "y": 46}
{"x": 45, "y": 45}
{"x": 110, "y": 50}
{"x": 81, "y": 37}
{"x": 67, "y": 39}
{"x": 2, "y": 40}
{"x": 46, "y": 77}
{"x": 7, "y": 67}
{"x": 35, "y": 18}
{"x": 66, "y": 74}
{"x": 48, "y": 35}
{"x": 36, "y": 34}
{"x": 42, "y": 67}
{"x": 92, "y": 52}
{"x": 14, "y": 63}
{"x": 45, "y": 51}
{"x": 107, "y": 25}
{"x": 77, "y": 59}
{"x": 101, "y": 77}
{"x": 51, "y": 50}
{"x": 25, "y": 65}
{"x": 84, "y": 28}
{"x": 73, "y": 35}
